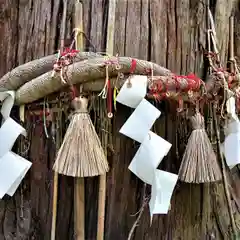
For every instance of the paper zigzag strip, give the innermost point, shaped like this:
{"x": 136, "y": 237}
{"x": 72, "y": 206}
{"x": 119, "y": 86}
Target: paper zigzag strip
{"x": 153, "y": 148}
{"x": 13, "y": 167}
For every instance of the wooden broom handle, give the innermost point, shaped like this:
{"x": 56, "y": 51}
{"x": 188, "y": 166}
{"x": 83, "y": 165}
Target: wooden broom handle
{"x": 79, "y": 191}
{"x": 54, "y": 207}
{"x": 79, "y": 211}
{"x": 101, "y": 207}
{"x": 102, "y": 183}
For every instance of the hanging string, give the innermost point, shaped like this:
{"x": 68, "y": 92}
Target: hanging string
{"x": 150, "y": 80}
{"x": 115, "y": 89}
{"x": 44, "y": 119}
{"x": 109, "y": 100}
{"x": 104, "y": 91}
{"x": 78, "y": 31}
{"x": 132, "y": 69}
{"x": 115, "y": 92}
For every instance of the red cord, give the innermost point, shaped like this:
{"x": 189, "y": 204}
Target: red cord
{"x": 73, "y": 92}
{"x": 177, "y": 82}
{"x": 230, "y": 80}
{"x": 133, "y": 65}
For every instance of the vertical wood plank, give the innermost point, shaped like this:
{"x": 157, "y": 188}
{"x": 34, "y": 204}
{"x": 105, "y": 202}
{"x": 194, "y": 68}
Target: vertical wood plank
{"x": 144, "y": 30}
{"x": 133, "y": 28}
{"x": 175, "y": 30}
{"x": 96, "y": 32}
{"x": 222, "y": 13}
{"x": 9, "y": 35}
{"x": 182, "y": 18}
{"x": 158, "y": 18}
{"x": 122, "y": 192}
{"x": 120, "y": 31}
{"x": 171, "y": 36}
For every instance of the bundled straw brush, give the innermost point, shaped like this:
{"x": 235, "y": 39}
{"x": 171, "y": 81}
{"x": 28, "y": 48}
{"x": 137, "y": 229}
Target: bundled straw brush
{"x": 81, "y": 153}
{"x": 199, "y": 163}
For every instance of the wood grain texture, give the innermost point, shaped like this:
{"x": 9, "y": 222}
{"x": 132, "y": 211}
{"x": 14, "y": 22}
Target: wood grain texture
{"x": 158, "y": 17}
{"x": 222, "y": 15}
{"x": 171, "y": 33}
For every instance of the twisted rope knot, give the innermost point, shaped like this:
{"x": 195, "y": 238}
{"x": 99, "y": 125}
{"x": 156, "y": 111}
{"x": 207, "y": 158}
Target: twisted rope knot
{"x": 79, "y": 111}
{"x": 197, "y": 121}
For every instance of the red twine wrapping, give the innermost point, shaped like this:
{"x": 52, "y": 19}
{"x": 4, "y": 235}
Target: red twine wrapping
{"x": 65, "y": 59}
{"x": 111, "y": 62}
{"x": 160, "y": 88}
{"x": 148, "y": 71}
{"x": 69, "y": 52}
{"x": 73, "y": 92}
{"x": 133, "y": 66}
{"x": 230, "y": 80}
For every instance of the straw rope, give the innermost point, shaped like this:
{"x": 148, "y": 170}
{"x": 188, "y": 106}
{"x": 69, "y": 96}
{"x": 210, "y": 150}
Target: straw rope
{"x": 30, "y": 70}
{"x": 81, "y": 72}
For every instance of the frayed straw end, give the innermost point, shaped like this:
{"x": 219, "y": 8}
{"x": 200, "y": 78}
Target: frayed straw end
{"x": 199, "y": 163}
{"x": 81, "y": 153}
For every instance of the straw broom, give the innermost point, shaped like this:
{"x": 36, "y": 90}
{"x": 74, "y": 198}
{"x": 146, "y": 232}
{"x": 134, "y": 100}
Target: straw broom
{"x": 199, "y": 163}
{"x": 81, "y": 153}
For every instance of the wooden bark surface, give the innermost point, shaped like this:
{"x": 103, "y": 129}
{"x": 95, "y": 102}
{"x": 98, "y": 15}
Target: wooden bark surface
{"x": 168, "y": 32}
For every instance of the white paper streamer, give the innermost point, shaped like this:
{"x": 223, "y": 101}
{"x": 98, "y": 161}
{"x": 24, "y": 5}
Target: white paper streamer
{"x": 153, "y": 148}
{"x": 140, "y": 122}
{"x": 13, "y": 168}
{"x": 149, "y": 155}
{"x": 8, "y": 100}
{"x": 132, "y": 96}
{"x": 231, "y": 109}
{"x": 162, "y": 189}
{"x": 9, "y": 132}
{"x": 231, "y": 145}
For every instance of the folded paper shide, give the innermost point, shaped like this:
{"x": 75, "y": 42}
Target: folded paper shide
{"x": 231, "y": 145}
{"x": 153, "y": 148}
{"x": 13, "y": 167}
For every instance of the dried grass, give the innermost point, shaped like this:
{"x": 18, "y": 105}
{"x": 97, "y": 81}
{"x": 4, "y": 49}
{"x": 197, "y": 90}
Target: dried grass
{"x": 81, "y": 154}
{"x": 199, "y": 163}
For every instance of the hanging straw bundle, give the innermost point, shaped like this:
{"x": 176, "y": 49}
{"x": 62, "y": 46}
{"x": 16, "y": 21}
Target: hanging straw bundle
{"x": 81, "y": 154}
{"x": 199, "y": 163}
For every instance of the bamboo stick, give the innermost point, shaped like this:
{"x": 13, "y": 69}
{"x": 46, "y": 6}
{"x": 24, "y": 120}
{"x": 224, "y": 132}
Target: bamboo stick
{"x": 79, "y": 209}
{"x": 79, "y": 193}
{"x": 57, "y": 119}
{"x": 58, "y": 122}
{"x": 54, "y": 207}
{"x": 58, "y": 135}
{"x": 102, "y": 183}
{"x": 101, "y": 207}
{"x": 111, "y": 26}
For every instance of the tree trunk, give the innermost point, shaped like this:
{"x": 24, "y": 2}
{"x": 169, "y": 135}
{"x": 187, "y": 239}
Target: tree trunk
{"x": 169, "y": 32}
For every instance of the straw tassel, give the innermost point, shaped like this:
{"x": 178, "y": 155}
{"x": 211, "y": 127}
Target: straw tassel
{"x": 81, "y": 154}
{"x": 199, "y": 163}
